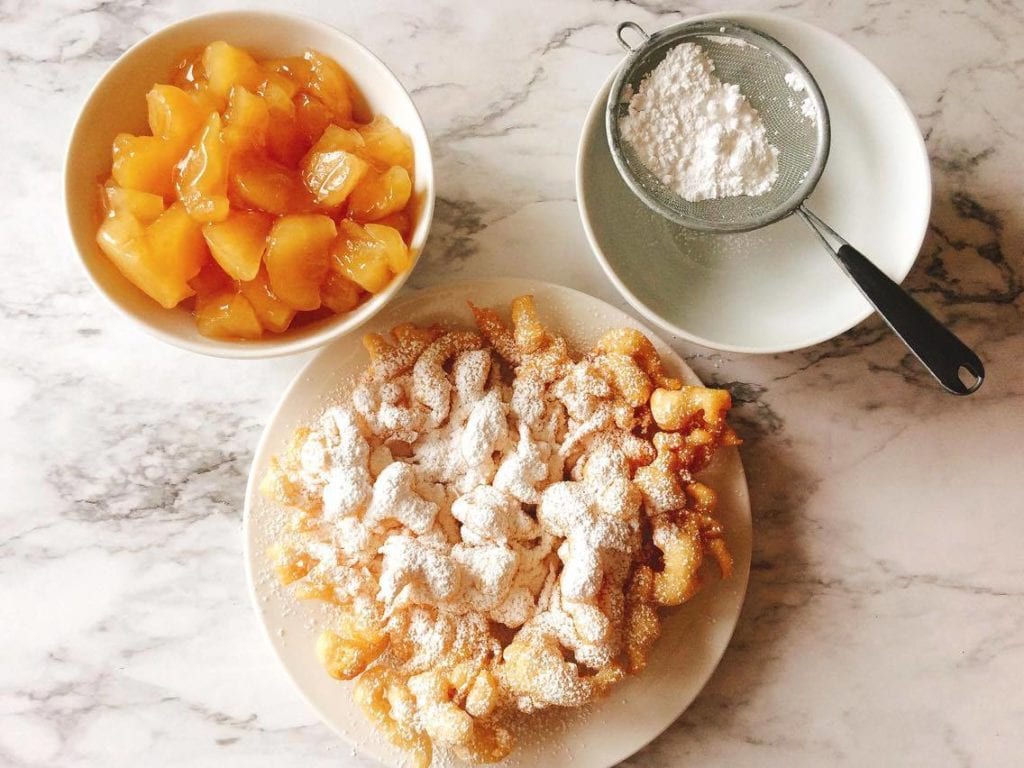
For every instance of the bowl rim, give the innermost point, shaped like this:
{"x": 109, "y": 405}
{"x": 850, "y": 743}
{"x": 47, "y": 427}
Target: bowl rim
{"x": 595, "y": 114}
{"x": 263, "y": 348}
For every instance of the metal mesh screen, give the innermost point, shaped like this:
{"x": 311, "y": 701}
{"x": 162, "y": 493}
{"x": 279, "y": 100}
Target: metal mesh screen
{"x": 759, "y": 68}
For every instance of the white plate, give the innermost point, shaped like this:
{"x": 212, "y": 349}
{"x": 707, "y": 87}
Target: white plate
{"x": 775, "y": 289}
{"x": 695, "y": 635}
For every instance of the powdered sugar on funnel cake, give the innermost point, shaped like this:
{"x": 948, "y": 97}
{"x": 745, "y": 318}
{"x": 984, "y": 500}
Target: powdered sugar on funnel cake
{"x": 493, "y": 523}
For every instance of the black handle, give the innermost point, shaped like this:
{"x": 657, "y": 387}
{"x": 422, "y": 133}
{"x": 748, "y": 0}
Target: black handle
{"x": 941, "y": 352}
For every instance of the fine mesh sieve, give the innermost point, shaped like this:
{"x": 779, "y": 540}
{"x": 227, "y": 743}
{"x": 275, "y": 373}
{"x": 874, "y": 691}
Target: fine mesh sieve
{"x": 759, "y": 65}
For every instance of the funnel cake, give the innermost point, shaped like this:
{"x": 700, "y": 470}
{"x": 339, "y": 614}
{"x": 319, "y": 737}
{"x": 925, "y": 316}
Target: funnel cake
{"x": 495, "y": 523}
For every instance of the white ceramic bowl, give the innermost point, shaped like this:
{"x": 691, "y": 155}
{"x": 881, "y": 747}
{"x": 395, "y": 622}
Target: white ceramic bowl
{"x": 775, "y": 289}
{"x": 118, "y": 104}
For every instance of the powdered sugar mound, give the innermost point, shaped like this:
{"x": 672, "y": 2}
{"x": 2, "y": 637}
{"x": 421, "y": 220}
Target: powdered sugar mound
{"x": 798, "y": 85}
{"x": 487, "y": 573}
{"x": 394, "y": 498}
{"x": 416, "y": 570}
{"x": 335, "y": 460}
{"x": 525, "y": 469}
{"x": 699, "y": 136}
{"x": 486, "y": 430}
{"x": 488, "y": 514}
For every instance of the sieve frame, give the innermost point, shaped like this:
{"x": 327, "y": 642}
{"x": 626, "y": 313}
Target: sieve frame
{"x": 694, "y": 31}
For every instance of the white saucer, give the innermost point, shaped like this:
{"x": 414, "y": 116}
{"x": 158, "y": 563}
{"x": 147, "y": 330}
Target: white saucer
{"x": 695, "y": 635}
{"x": 775, "y": 289}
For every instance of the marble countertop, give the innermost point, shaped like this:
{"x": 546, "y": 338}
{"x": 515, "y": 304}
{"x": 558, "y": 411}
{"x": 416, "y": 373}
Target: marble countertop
{"x": 884, "y": 623}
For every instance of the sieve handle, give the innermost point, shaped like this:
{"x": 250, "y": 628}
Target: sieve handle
{"x": 636, "y": 28}
{"x": 948, "y": 359}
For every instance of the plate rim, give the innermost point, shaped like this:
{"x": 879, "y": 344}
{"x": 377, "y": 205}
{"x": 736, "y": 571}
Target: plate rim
{"x": 739, "y": 580}
{"x": 595, "y": 115}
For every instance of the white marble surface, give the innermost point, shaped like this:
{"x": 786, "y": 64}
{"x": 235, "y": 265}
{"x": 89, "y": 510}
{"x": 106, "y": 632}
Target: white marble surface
{"x": 885, "y": 619}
